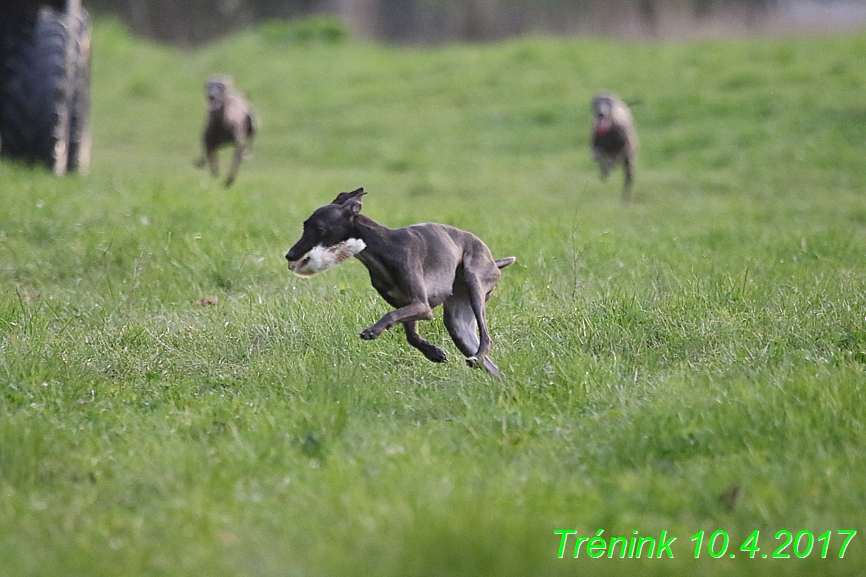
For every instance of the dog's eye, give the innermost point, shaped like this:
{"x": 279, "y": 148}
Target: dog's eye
{"x": 320, "y": 228}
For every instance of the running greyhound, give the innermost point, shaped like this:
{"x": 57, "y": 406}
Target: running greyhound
{"x": 230, "y": 120}
{"x": 415, "y": 269}
{"x": 614, "y": 138}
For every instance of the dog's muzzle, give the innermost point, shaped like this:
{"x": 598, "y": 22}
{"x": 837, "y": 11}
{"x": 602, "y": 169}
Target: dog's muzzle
{"x": 320, "y": 259}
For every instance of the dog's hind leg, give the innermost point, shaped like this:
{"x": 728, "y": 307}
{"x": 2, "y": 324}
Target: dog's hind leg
{"x": 477, "y": 299}
{"x": 461, "y": 321}
{"x": 431, "y": 351}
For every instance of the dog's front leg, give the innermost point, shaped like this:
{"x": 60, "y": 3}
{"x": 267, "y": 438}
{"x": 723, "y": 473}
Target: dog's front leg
{"x": 414, "y": 311}
{"x": 236, "y": 162}
{"x": 213, "y": 161}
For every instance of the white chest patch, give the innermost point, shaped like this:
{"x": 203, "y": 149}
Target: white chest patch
{"x": 320, "y": 259}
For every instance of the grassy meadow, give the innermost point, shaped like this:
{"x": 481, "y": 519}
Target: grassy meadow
{"x": 173, "y": 402}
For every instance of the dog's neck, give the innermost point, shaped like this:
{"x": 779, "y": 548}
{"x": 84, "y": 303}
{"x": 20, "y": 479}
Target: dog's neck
{"x": 375, "y": 236}
{"x": 368, "y": 229}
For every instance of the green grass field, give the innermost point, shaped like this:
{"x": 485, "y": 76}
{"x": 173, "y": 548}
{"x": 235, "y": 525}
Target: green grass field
{"x": 694, "y": 361}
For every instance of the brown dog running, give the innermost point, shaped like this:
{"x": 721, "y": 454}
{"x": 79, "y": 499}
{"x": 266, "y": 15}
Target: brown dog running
{"x": 230, "y": 120}
{"x": 415, "y": 269}
{"x": 614, "y": 138}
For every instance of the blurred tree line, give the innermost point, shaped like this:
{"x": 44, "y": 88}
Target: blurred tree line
{"x": 190, "y": 22}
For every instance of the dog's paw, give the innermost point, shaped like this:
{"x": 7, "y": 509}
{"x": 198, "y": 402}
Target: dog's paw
{"x": 369, "y": 333}
{"x": 484, "y": 363}
{"x": 435, "y": 354}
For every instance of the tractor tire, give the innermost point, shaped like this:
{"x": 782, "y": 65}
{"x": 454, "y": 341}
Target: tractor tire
{"x": 45, "y": 95}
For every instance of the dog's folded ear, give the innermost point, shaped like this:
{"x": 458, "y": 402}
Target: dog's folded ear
{"x": 345, "y": 196}
{"x": 352, "y": 206}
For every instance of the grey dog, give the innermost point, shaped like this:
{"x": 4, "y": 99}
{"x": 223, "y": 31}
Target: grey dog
{"x": 415, "y": 269}
{"x": 230, "y": 120}
{"x": 614, "y": 138}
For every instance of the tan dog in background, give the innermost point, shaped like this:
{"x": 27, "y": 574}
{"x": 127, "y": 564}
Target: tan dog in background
{"x": 614, "y": 138}
{"x": 230, "y": 120}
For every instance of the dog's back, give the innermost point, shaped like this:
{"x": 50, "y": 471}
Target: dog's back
{"x": 239, "y": 113}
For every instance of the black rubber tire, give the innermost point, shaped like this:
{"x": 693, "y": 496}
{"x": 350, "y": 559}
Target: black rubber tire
{"x": 34, "y": 118}
{"x": 78, "y": 156}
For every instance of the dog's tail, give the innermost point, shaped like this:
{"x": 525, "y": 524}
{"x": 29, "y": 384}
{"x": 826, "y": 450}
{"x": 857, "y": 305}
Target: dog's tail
{"x": 504, "y": 262}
